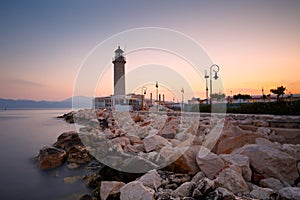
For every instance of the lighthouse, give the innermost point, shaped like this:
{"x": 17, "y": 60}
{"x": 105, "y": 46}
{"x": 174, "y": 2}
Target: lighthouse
{"x": 119, "y": 72}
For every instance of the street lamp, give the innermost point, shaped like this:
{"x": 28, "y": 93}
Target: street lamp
{"x": 215, "y": 68}
{"x": 144, "y": 89}
{"x": 206, "y": 77}
{"x": 182, "y": 98}
{"x": 156, "y": 85}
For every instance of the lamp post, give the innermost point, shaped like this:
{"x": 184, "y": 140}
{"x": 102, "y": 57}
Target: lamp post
{"x": 156, "y": 85}
{"x": 206, "y": 77}
{"x": 182, "y": 98}
{"x": 263, "y": 94}
{"x": 215, "y": 68}
{"x": 144, "y": 89}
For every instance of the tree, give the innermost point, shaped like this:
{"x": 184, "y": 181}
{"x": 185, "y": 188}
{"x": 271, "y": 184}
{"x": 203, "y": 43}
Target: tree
{"x": 242, "y": 96}
{"x": 218, "y": 96}
{"x": 279, "y": 91}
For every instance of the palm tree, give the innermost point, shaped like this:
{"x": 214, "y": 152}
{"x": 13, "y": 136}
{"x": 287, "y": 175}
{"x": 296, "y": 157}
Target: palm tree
{"x": 242, "y": 96}
{"x": 279, "y": 91}
{"x": 218, "y": 96}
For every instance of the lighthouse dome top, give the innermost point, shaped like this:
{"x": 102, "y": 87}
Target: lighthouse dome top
{"x": 118, "y": 52}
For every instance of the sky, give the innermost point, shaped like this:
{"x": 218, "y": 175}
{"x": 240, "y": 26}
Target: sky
{"x": 43, "y": 44}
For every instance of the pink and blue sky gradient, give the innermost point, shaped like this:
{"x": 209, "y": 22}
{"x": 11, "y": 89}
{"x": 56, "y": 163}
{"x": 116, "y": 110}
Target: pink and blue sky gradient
{"x": 43, "y": 43}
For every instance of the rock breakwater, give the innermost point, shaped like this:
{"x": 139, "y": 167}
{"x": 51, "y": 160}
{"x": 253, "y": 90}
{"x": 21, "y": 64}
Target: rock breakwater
{"x": 154, "y": 156}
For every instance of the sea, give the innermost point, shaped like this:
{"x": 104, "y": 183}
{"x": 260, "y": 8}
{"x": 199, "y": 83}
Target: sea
{"x": 22, "y": 134}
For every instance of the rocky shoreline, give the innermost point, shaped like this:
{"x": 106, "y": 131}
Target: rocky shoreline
{"x": 253, "y": 157}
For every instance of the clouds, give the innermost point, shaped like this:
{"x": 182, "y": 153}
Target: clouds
{"x": 26, "y": 83}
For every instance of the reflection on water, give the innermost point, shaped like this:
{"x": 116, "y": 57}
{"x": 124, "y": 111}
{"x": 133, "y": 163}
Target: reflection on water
{"x": 23, "y": 133}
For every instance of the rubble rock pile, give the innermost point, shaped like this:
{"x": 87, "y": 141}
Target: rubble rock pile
{"x": 171, "y": 156}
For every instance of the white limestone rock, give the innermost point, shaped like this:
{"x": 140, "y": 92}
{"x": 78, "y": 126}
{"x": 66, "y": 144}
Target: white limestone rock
{"x": 271, "y": 162}
{"x": 136, "y": 190}
{"x": 291, "y": 193}
{"x": 240, "y": 160}
{"x": 231, "y": 179}
{"x": 263, "y": 193}
{"x": 210, "y": 163}
{"x": 155, "y": 142}
{"x": 271, "y": 183}
{"x": 151, "y": 179}
{"x": 184, "y": 190}
{"x": 109, "y": 188}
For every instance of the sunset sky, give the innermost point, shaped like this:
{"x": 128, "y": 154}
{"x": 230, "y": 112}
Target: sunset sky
{"x": 44, "y": 43}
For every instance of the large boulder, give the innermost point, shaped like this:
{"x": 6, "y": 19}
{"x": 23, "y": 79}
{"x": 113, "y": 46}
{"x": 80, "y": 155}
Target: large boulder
{"x": 291, "y": 193}
{"x": 231, "y": 179}
{"x": 68, "y": 117}
{"x": 170, "y": 128}
{"x": 136, "y": 190}
{"x": 240, "y": 160}
{"x": 272, "y": 183}
{"x": 50, "y": 157}
{"x": 110, "y": 188}
{"x": 137, "y": 164}
{"x": 266, "y": 142}
{"x": 287, "y": 135}
{"x": 134, "y": 139}
{"x": 186, "y": 163}
{"x": 271, "y": 162}
{"x": 293, "y": 150}
{"x": 123, "y": 141}
{"x": 184, "y": 190}
{"x": 78, "y": 154}
{"x": 155, "y": 142}
{"x": 211, "y": 164}
{"x": 264, "y": 193}
{"x": 151, "y": 179}
{"x": 136, "y": 148}
{"x": 67, "y": 139}
{"x": 227, "y": 145}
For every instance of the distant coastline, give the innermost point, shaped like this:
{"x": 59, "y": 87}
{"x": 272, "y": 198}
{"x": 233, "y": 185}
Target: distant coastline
{"x": 31, "y": 104}
{"x": 61, "y": 108}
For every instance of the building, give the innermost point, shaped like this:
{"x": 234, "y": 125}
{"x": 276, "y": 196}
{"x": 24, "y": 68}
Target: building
{"x": 119, "y": 72}
{"x": 194, "y": 100}
{"x": 102, "y": 102}
{"x": 119, "y": 102}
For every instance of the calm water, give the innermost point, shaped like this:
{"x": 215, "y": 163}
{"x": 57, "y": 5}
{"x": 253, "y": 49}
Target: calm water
{"x": 22, "y": 134}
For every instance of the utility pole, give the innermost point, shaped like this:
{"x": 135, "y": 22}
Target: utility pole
{"x": 182, "y": 98}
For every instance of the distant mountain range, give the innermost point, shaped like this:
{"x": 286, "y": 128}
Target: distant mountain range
{"x": 81, "y": 102}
